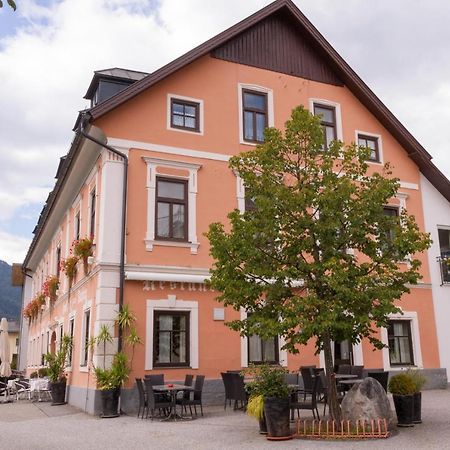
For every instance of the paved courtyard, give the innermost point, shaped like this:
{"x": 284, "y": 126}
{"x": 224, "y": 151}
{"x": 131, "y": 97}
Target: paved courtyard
{"x": 35, "y": 426}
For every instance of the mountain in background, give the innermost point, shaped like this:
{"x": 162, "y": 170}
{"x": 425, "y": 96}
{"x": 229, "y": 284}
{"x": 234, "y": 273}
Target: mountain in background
{"x": 10, "y": 297}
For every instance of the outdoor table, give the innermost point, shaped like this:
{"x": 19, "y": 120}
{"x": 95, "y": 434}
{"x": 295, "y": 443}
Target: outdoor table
{"x": 344, "y": 376}
{"x": 172, "y": 390}
{"x": 350, "y": 382}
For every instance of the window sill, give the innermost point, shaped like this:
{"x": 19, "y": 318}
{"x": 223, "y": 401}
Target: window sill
{"x": 83, "y": 369}
{"x": 149, "y": 244}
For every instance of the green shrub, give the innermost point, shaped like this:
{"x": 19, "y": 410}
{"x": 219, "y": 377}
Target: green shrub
{"x": 418, "y": 379}
{"x": 255, "y": 407}
{"x": 42, "y": 372}
{"x": 268, "y": 381}
{"x": 33, "y": 375}
{"x": 402, "y": 384}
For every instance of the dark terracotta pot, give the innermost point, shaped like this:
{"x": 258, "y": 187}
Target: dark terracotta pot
{"x": 110, "y": 403}
{"x": 417, "y": 418}
{"x": 404, "y": 407}
{"x": 58, "y": 391}
{"x": 276, "y": 411}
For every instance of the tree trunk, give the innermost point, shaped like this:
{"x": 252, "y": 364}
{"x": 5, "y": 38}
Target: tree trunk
{"x": 333, "y": 404}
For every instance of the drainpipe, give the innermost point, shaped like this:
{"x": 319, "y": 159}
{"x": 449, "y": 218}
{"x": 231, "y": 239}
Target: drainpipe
{"x": 80, "y": 130}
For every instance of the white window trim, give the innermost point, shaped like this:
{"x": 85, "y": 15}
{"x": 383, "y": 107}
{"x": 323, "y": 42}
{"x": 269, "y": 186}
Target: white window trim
{"x": 282, "y": 354}
{"x": 337, "y": 108}
{"x": 240, "y": 194}
{"x": 412, "y": 317}
{"x": 188, "y": 99}
{"x": 71, "y": 317}
{"x": 380, "y": 145}
{"x": 172, "y": 304}
{"x": 270, "y": 108}
{"x": 92, "y": 188}
{"x": 358, "y": 355}
{"x": 85, "y": 368}
{"x": 152, "y": 164}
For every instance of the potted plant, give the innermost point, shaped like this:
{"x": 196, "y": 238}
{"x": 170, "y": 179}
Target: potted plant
{"x": 419, "y": 380}
{"x": 402, "y": 388}
{"x": 69, "y": 267}
{"x": 50, "y": 288}
{"x": 255, "y": 408}
{"x": 56, "y": 364}
{"x": 110, "y": 380}
{"x": 269, "y": 383}
{"x": 83, "y": 248}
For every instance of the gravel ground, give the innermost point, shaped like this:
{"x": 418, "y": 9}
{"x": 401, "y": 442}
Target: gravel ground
{"x": 36, "y": 426}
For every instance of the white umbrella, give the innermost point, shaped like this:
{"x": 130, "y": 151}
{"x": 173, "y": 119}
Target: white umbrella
{"x": 5, "y": 355}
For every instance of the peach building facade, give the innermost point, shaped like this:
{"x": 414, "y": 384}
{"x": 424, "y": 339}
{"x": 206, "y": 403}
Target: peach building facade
{"x": 177, "y": 129}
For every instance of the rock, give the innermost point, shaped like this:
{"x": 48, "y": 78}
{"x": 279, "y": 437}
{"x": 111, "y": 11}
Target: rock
{"x": 367, "y": 401}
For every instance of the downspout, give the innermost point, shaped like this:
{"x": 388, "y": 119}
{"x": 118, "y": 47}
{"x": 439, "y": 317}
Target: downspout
{"x": 83, "y": 133}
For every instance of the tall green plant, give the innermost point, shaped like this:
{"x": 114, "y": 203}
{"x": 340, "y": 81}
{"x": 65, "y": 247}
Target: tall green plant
{"x": 317, "y": 258}
{"x": 57, "y": 361}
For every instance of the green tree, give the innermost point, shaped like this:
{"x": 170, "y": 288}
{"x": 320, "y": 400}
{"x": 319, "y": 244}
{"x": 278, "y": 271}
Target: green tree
{"x": 317, "y": 257}
{"x": 10, "y": 3}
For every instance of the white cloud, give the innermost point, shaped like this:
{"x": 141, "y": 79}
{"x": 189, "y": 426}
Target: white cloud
{"x": 13, "y": 248}
{"x": 46, "y": 67}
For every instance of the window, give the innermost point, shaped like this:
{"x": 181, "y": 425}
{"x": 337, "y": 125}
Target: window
{"x": 61, "y": 334}
{"x": 390, "y": 211}
{"x": 444, "y": 246}
{"x": 77, "y": 225}
{"x": 92, "y": 222}
{"x": 254, "y": 107}
{"x": 85, "y": 338}
{"x": 372, "y": 143}
{"x": 328, "y": 121}
{"x": 58, "y": 260}
{"x": 184, "y": 115}
{"x": 71, "y": 331}
{"x": 400, "y": 343}
{"x": 171, "y": 209}
{"x": 171, "y": 338}
{"x": 262, "y": 351}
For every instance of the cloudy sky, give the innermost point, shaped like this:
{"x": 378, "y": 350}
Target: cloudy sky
{"x": 50, "y": 48}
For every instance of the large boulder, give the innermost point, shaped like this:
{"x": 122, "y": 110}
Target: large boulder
{"x": 367, "y": 401}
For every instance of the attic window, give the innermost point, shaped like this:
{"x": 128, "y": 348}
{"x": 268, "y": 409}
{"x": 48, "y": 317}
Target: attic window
{"x": 185, "y": 115}
{"x": 107, "y": 89}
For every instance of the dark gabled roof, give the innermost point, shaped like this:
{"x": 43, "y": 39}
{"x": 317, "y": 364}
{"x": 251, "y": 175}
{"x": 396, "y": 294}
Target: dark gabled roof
{"x": 116, "y": 74}
{"x": 415, "y": 151}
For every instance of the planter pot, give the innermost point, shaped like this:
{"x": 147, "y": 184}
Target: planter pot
{"x": 110, "y": 403}
{"x": 276, "y": 411}
{"x": 404, "y": 407}
{"x": 58, "y": 391}
{"x": 263, "y": 425}
{"x": 417, "y": 417}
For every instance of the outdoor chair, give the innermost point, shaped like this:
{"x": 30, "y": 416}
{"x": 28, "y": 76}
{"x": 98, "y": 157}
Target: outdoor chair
{"x": 228, "y": 385}
{"x": 307, "y": 373}
{"x": 157, "y": 380}
{"x": 156, "y": 401}
{"x": 357, "y": 370}
{"x": 381, "y": 377}
{"x": 238, "y": 390}
{"x": 186, "y": 395}
{"x": 196, "y": 400}
{"x": 142, "y": 397}
{"x": 307, "y": 404}
{"x": 22, "y": 388}
{"x": 291, "y": 378}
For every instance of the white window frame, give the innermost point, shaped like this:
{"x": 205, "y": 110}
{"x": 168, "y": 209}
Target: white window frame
{"x": 187, "y": 99}
{"x": 152, "y": 165}
{"x": 282, "y": 354}
{"x": 270, "y": 108}
{"x": 380, "y": 145}
{"x": 85, "y": 368}
{"x": 337, "y": 110}
{"x": 70, "y": 319}
{"x": 357, "y": 350}
{"x": 412, "y": 317}
{"x": 172, "y": 304}
{"x": 92, "y": 188}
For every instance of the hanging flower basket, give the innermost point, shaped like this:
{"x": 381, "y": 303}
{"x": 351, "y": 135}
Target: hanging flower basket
{"x": 83, "y": 248}
{"x": 27, "y": 313}
{"x": 50, "y": 288}
{"x": 69, "y": 267}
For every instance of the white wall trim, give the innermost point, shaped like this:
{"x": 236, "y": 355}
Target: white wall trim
{"x": 188, "y": 99}
{"x": 240, "y": 194}
{"x": 380, "y": 145}
{"x": 270, "y": 108}
{"x": 408, "y": 185}
{"x": 125, "y": 144}
{"x": 172, "y": 304}
{"x": 412, "y": 317}
{"x": 337, "y": 106}
{"x": 152, "y": 164}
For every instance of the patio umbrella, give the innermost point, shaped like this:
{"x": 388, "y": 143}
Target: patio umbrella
{"x": 5, "y": 355}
